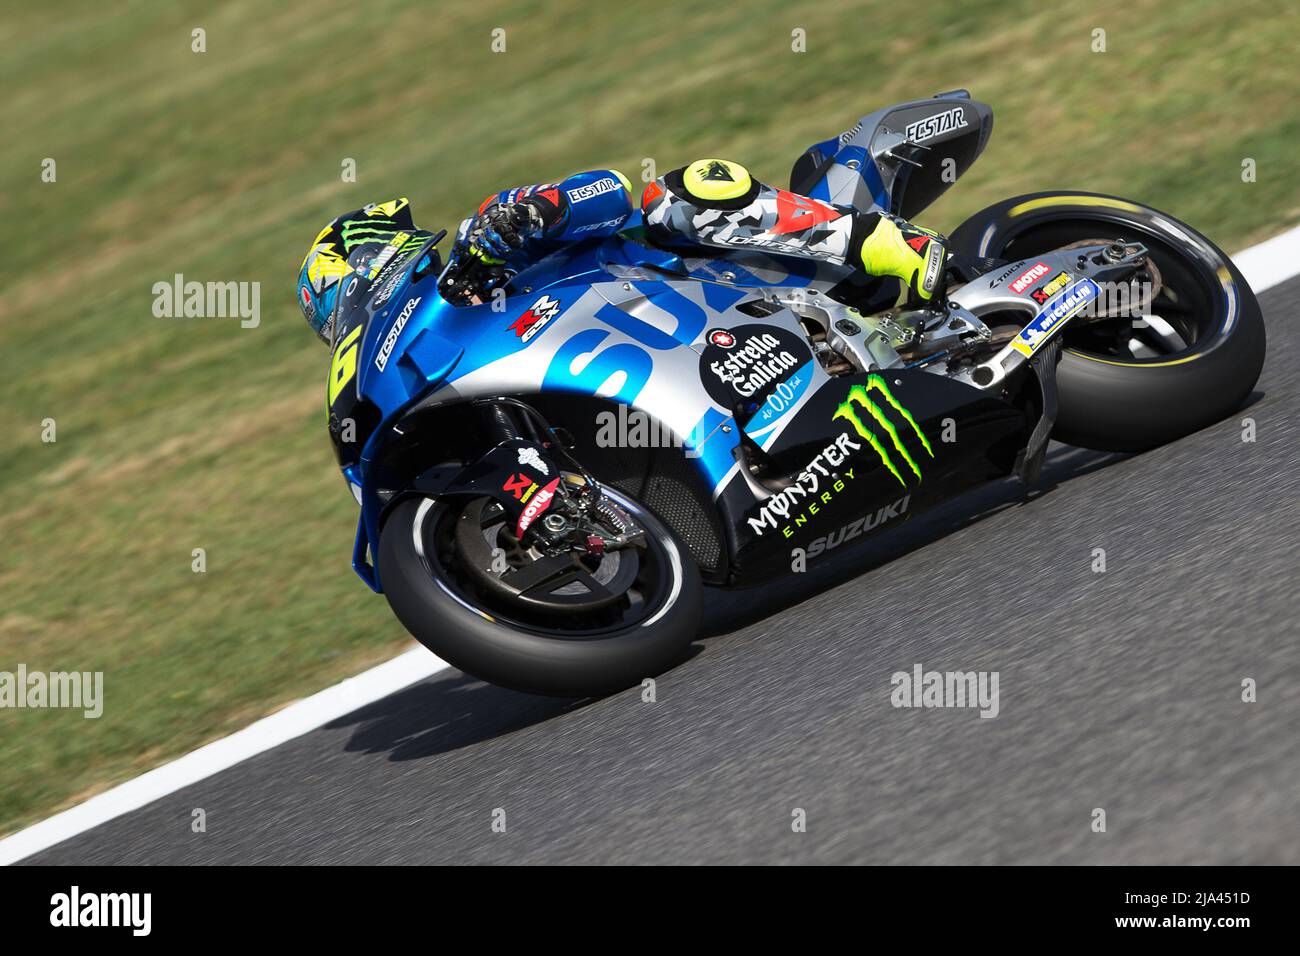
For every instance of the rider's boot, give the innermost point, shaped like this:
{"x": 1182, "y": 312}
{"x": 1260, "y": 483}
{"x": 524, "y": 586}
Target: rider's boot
{"x": 895, "y": 247}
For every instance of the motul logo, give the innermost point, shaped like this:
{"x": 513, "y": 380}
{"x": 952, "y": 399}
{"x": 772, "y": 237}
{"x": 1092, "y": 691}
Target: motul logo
{"x": 1028, "y": 278}
{"x": 541, "y": 501}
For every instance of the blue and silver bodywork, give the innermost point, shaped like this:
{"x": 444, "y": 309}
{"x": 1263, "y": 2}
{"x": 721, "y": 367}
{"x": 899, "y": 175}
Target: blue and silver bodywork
{"x": 616, "y": 320}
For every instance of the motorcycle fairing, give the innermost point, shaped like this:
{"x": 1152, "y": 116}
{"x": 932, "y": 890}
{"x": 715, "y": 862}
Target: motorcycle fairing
{"x": 617, "y": 319}
{"x": 637, "y": 342}
{"x": 906, "y": 465}
{"x": 894, "y": 159}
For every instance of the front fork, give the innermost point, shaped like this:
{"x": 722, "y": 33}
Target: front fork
{"x": 546, "y": 495}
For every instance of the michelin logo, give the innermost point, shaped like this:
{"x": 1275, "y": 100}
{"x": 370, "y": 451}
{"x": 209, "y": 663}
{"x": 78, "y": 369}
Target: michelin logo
{"x": 1065, "y": 305}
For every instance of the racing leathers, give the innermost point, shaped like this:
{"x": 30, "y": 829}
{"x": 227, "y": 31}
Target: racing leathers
{"x": 711, "y": 202}
{"x": 714, "y": 202}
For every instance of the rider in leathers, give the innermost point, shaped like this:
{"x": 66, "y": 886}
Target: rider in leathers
{"x": 711, "y": 202}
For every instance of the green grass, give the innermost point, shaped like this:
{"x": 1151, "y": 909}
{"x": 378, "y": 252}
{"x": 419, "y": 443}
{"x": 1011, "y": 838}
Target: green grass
{"x": 179, "y": 434}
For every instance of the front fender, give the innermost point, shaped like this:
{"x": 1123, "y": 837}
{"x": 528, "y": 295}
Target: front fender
{"x": 613, "y": 361}
{"x": 641, "y": 344}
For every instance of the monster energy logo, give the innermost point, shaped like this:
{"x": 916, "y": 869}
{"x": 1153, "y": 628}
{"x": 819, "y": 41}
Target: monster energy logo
{"x": 373, "y": 230}
{"x": 861, "y": 395}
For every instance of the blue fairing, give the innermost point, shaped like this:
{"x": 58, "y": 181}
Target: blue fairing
{"x": 438, "y": 343}
{"x": 424, "y": 343}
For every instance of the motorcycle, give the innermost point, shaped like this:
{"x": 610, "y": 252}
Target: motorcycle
{"x": 548, "y": 479}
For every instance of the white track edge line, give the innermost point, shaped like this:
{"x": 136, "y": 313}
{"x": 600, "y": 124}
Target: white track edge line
{"x": 1272, "y": 261}
{"x": 293, "y": 721}
{"x": 1265, "y": 265}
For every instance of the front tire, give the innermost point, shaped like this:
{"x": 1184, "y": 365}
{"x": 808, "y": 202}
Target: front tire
{"x": 1115, "y": 398}
{"x": 515, "y": 645}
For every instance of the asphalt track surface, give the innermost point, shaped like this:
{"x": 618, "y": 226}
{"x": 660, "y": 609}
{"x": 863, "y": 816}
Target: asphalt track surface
{"x": 1118, "y": 690}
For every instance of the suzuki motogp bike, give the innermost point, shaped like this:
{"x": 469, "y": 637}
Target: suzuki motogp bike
{"x": 547, "y": 488}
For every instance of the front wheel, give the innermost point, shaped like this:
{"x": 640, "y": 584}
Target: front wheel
{"x": 571, "y": 625}
{"x": 1131, "y": 383}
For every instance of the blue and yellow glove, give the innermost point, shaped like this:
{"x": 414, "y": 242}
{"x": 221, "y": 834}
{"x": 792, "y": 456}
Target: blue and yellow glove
{"x": 502, "y": 229}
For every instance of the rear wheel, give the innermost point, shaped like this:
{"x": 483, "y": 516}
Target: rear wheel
{"x": 570, "y": 624}
{"x": 1190, "y": 358}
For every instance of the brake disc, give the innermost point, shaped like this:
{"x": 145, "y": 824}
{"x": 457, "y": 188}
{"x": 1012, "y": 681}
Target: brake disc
{"x": 522, "y": 575}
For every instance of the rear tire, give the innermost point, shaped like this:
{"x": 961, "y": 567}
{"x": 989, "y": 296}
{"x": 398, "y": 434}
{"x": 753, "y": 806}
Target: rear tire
{"x": 535, "y": 654}
{"x": 1116, "y": 403}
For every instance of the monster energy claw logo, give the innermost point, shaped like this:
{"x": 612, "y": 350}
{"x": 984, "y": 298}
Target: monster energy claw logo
{"x": 861, "y": 395}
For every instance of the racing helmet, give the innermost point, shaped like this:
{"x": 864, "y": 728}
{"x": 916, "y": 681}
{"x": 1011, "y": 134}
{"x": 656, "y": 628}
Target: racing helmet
{"x": 318, "y": 284}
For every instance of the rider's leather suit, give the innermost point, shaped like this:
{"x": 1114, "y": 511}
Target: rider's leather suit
{"x": 711, "y": 202}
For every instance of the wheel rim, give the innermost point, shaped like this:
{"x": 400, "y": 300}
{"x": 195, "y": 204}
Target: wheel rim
{"x": 568, "y": 597}
{"x": 1175, "y": 327}
{"x": 498, "y": 563}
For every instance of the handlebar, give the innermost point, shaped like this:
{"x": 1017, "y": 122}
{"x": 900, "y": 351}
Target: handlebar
{"x": 468, "y": 277}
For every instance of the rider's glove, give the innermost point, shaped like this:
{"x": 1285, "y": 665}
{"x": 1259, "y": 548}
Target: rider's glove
{"x": 895, "y": 247}
{"x": 502, "y": 229}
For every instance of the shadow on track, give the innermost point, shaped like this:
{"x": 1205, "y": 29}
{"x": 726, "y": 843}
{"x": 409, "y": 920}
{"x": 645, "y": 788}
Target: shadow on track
{"x": 453, "y": 710}
{"x": 448, "y": 711}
